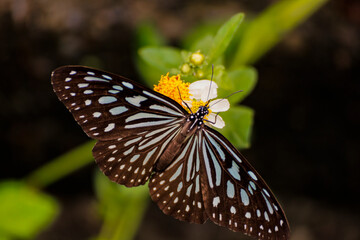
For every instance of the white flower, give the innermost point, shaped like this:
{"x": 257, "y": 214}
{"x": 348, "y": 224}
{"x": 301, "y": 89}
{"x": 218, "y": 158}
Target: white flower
{"x": 201, "y": 90}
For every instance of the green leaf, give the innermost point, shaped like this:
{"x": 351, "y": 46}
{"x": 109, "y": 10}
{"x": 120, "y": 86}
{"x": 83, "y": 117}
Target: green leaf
{"x": 162, "y": 58}
{"x": 146, "y": 34}
{"x": 241, "y": 79}
{"x": 238, "y": 128}
{"x": 270, "y": 26}
{"x": 203, "y": 44}
{"x": 24, "y": 211}
{"x": 224, "y": 36}
{"x": 198, "y": 33}
{"x": 158, "y": 61}
{"x": 121, "y": 207}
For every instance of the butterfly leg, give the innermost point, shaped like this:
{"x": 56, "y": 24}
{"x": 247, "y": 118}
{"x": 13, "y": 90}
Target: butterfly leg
{"x": 212, "y": 121}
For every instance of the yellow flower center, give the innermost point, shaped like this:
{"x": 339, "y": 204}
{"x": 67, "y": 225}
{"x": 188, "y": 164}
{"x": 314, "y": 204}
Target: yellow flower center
{"x": 171, "y": 86}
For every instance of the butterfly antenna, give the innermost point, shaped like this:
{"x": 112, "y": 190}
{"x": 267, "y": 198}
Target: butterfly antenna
{"x": 212, "y": 75}
{"x": 225, "y": 97}
{"x": 184, "y": 101}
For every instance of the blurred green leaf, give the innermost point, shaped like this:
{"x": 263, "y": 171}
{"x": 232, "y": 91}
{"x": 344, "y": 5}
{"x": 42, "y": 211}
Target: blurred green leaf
{"x": 203, "y": 44}
{"x": 239, "y": 122}
{"x": 161, "y": 60}
{"x": 149, "y": 74}
{"x": 224, "y": 36}
{"x": 198, "y": 33}
{"x": 164, "y": 58}
{"x": 243, "y": 78}
{"x": 121, "y": 207}
{"x": 24, "y": 211}
{"x": 270, "y": 26}
{"x": 146, "y": 34}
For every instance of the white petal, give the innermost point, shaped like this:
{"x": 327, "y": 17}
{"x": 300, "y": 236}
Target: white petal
{"x": 216, "y": 121}
{"x": 219, "y": 105}
{"x": 200, "y": 90}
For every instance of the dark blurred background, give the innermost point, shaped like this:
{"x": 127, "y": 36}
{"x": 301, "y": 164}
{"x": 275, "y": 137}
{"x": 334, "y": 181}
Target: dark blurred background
{"x": 305, "y": 140}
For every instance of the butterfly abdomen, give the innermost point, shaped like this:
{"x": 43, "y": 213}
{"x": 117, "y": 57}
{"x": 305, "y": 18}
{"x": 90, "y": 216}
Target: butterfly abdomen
{"x": 173, "y": 149}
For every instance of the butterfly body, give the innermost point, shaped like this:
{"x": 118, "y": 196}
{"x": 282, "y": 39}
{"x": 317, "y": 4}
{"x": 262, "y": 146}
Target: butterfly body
{"x": 194, "y": 122}
{"x": 194, "y": 172}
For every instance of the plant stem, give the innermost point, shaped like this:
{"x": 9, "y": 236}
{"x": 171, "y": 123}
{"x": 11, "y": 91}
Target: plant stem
{"x": 61, "y": 166}
{"x": 269, "y": 28}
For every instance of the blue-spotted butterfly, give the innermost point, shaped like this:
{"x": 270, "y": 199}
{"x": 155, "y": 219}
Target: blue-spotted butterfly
{"x": 194, "y": 172}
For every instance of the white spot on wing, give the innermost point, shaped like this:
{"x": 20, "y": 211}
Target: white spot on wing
{"x": 180, "y": 186}
{"x": 165, "y": 109}
{"x": 109, "y": 127}
{"x": 107, "y": 99}
{"x": 147, "y": 124}
{"x": 96, "y": 114}
{"x": 107, "y": 77}
{"x": 95, "y": 79}
{"x": 128, "y": 85}
{"x": 216, "y": 201}
{"x": 113, "y": 91}
{"x": 117, "y": 87}
{"x": 118, "y": 110}
{"x": 134, "y": 158}
{"x": 234, "y": 171}
{"x": 136, "y": 100}
{"x": 176, "y": 174}
{"x": 230, "y": 189}
{"x": 244, "y": 197}
{"x": 83, "y": 85}
{"x": 252, "y": 175}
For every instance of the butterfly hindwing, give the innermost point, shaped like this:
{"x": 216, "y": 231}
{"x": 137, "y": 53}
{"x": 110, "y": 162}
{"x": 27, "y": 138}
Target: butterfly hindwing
{"x": 177, "y": 189}
{"x": 235, "y": 196}
{"x": 130, "y": 160}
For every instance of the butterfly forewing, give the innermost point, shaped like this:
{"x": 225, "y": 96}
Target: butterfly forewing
{"x": 134, "y": 124}
{"x": 235, "y": 196}
{"x": 108, "y": 106}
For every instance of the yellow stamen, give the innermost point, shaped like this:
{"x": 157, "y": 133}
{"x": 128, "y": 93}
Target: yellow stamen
{"x": 170, "y": 87}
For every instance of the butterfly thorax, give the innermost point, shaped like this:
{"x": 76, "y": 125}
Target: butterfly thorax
{"x": 198, "y": 118}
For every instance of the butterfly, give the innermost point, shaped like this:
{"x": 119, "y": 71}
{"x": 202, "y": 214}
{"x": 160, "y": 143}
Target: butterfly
{"x": 194, "y": 172}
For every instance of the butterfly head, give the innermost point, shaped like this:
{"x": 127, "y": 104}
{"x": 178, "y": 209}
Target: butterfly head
{"x": 198, "y": 117}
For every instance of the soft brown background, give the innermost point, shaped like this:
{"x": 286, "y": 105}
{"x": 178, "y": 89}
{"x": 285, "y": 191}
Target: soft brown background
{"x": 305, "y": 141}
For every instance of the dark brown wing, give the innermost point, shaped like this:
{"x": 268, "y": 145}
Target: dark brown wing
{"x": 133, "y": 124}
